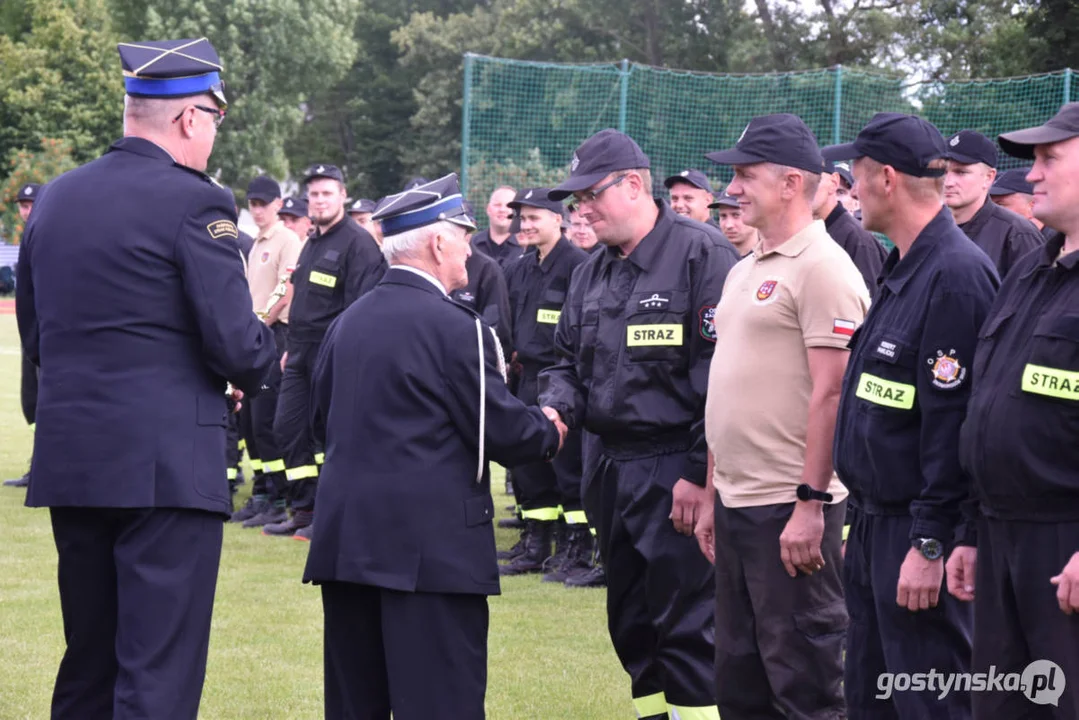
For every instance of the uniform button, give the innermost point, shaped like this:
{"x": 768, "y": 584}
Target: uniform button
{"x": 225, "y": 417}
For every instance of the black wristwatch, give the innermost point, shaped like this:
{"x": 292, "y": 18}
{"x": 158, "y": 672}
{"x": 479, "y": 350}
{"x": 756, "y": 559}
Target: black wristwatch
{"x": 805, "y": 492}
{"x": 930, "y": 548}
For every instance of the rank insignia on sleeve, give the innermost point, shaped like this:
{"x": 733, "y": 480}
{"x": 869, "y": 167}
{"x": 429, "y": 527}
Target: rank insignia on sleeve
{"x": 708, "y": 322}
{"x": 222, "y": 228}
{"x": 947, "y": 373}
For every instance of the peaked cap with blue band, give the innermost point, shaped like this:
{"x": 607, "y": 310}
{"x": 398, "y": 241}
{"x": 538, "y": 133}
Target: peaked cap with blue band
{"x": 436, "y": 201}
{"x": 172, "y": 69}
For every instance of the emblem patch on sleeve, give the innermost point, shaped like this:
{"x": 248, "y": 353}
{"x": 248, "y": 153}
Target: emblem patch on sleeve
{"x": 946, "y": 371}
{"x": 708, "y": 322}
{"x": 222, "y": 228}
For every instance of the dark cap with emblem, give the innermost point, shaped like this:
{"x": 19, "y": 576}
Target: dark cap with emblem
{"x": 323, "y": 170}
{"x": 1062, "y": 126}
{"x": 690, "y": 177}
{"x": 841, "y": 169}
{"x": 363, "y": 205}
{"x": 263, "y": 188}
{"x": 1012, "y": 181}
{"x": 783, "y": 139}
{"x": 970, "y": 147}
{"x": 172, "y": 69}
{"x": 724, "y": 200}
{"x": 597, "y": 157}
{"x": 537, "y": 198}
{"x": 415, "y": 182}
{"x": 28, "y": 192}
{"x": 906, "y": 142}
{"x": 437, "y": 201}
{"x": 294, "y": 206}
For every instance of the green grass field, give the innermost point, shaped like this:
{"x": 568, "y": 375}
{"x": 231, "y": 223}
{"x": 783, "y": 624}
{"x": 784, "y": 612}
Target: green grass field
{"x": 549, "y": 654}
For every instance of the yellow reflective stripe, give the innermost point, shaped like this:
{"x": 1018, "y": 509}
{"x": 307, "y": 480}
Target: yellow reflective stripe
{"x": 650, "y": 705}
{"x": 320, "y": 458}
{"x": 322, "y": 279}
{"x": 230, "y": 473}
{"x": 548, "y": 317}
{"x": 575, "y": 517}
{"x": 1051, "y": 382}
{"x": 885, "y": 392}
{"x": 273, "y": 466}
{"x": 304, "y": 471}
{"x": 649, "y": 335}
{"x": 256, "y": 464}
{"x": 846, "y": 531}
{"x": 681, "y": 712}
{"x": 546, "y": 514}
{"x": 593, "y": 531}
{"x": 242, "y": 445}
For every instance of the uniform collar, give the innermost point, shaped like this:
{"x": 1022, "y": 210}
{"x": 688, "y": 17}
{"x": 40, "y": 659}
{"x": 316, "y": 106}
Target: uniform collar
{"x": 556, "y": 252}
{"x": 333, "y": 228}
{"x": 1050, "y": 254}
{"x": 270, "y": 231}
{"x": 837, "y": 212}
{"x": 973, "y": 226}
{"x": 897, "y": 271}
{"x": 143, "y": 147}
{"x": 414, "y": 277}
{"x": 795, "y": 245}
{"x": 644, "y": 255}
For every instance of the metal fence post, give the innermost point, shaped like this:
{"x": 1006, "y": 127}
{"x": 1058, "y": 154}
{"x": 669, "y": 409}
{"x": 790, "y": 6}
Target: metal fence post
{"x": 1067, "y": 85}
{"x": 623, "y": 95}
{"x": 836, "y": 125}
{"x": 466, "y": 122}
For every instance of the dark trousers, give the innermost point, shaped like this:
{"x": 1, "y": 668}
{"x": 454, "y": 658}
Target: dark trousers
{"x": 535, "y": 485}
{"x": 262, "y": 411}
{"x": 28, "y": 390}
{"x": 885, "y": 638}
{"x": 660, "y": 588}
{"x": 421, "y": 656}
{"x": 137, "y": 593}
{"x": 779, "y": 640}
{"x": 1017, "y": 620}
{"x": 292, "y": 426}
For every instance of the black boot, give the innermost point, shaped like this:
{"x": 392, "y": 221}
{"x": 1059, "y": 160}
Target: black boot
{"x": 561, "y": 546}
{"x": 516, "y": 550}
{"x": 578, "y": 556}
{"x": 299, "y": 520}
{"x": 254, "y": 505}
{"x": 18, "y": 482}
{"x": 537, "y": 549}
{"x": 592, "y": 577}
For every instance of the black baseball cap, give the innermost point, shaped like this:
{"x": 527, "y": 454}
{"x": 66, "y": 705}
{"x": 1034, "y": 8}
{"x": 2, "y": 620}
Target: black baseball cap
{"x": 363, "y": 205}
{"x": 415, "y": 182}
{"x": 323, "y": 170}
{"x": 1012, "y": 181}
{"x": 782, "y": 139}
{"x": 691, "y": 177}
{"x": 969, "y": 147}
{"x": 597, "y": 157}
{"x": 263, "y": 188}
{"x": 725, "y": 200}
{"x": 535, "y": 197}
{"x": 843, "y": 170}
{"x": 1062, "y": 126}
{"x": 28, "y": 192}
{"x": 294, "y": 206}
{"x": 906, "y": 142}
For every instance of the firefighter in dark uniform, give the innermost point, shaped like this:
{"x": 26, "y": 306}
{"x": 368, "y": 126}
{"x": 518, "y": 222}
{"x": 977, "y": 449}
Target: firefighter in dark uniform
{"x": 410, "y": 398}
{"x": 505, "y": 249}
{"x": 1012, "y": 192}
{"x": 1018, "y": 444}
{"x": 905, "y": 394}
{"x": 28, "y": 386}
{"x": 634, "y": 342}
{"x": 1003, "y": 235}
{"x": 293, "y": 213}
{"x": 136, "y": 329}
{"x": 487, "y": 296}
{"x": 549, "y": 494}
{"x": 337, "y": 265}
{"x": 868, "y": 254}
{"x": 692, "y": 195}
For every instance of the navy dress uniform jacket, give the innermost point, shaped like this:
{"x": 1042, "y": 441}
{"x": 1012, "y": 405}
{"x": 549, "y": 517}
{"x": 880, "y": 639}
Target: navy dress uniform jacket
{"x": 396, "y": 401}
{"x": 135, "y": 307}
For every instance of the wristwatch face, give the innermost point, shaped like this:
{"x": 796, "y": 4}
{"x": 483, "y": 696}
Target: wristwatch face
{"x": 932, "y": 549}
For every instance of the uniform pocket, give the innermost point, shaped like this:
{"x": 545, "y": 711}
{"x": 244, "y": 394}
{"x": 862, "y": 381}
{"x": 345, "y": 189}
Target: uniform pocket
{"x": 657, "y": 327}
{"x": 479, "y": 510}
{"x": 1052, "y": 369}
{"x": 822, "y": 623}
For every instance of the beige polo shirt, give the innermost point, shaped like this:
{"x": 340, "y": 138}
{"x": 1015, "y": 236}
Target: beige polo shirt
{"x": 273, "y": 254}
{"x": 806, "y": 293}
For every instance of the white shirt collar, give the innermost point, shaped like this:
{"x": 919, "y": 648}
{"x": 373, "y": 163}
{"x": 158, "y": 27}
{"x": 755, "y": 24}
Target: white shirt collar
{"x": 423, "y": 274}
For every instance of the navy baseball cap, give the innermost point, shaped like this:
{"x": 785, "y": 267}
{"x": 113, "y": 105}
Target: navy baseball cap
{"x": 597, "y": 157}
{"x": 172, "y": 69}
{"x": 415, "y": 182}
{"x": 725, "y": 200}
{"x": 294, "y": 206}
{"x": 263, "y": 188}
{"x": 906, "y": 142}
{"x": 28, "y": 192}
{"x": 691, "y": 177}
{"x": 969, "y": 147}
{"x": 1062, "y": 126}
{"x": 436, "y": 201}
{"x": 843, "y": 170}
{"x": 363, "y": 205}
{"x": 1012, "y": 181}
{"x": 323, "y": 170}
{"x": 782, "y": 139}
{"x": 535, "y": 197}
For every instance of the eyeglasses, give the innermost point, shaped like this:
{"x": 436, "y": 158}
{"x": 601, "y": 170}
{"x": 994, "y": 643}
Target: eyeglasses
{"x": 592, "y": 195}
{"x": 218, "y": 112}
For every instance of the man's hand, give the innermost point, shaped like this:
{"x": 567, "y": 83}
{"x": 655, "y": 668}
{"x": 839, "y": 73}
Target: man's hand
{"x": 688, "y": 503}
{"x": 554, "y": 417}
{"x": 919, "y": 582}
{"x": 799, "y": 543}
{"x": 960, "y": 572}
{"x": 235, "y": 396}
{"x": 1067, "y": 583}
{"x": 705, "y": 531}
{"x": 284, "y": 359}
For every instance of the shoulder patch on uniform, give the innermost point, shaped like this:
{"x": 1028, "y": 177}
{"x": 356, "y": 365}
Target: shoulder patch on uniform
{"x": 708, "y": 322}
{"x": 222, "y": 228}
{"x": 945, "y": 370}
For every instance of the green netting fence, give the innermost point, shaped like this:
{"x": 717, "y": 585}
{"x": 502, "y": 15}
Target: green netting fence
{"x": 522, "y": 120}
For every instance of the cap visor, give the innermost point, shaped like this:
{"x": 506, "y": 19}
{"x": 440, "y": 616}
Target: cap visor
{"x": 264, "y": 197}
{"x": 845, "y": 151}
{"x": 1021, "y": 143}
{"x": 722, "y": 204}
{"x": 962, "y": 159}
{"x": 574, "y": 184}
{"x": 734, "y": 156}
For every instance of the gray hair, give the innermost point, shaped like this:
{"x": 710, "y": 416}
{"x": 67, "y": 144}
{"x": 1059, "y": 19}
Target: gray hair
{"x": 407, "y": 245}
{"x": 152, "y": 113}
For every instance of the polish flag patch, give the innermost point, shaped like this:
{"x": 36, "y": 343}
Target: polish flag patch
{"x": 843, "y": 327}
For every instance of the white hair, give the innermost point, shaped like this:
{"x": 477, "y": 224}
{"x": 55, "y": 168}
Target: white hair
{"x": 407, "y": 245}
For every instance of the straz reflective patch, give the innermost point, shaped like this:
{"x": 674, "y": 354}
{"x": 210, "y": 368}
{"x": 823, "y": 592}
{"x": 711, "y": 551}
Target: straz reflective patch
{"x": 322, "y": 279}
{"x": 646, "y": 335}
{"x": 1063, "y": 384}
{"x": 222, "y": 228}
{"x": 548, "y": 317}
{"x": 885, "y": 392}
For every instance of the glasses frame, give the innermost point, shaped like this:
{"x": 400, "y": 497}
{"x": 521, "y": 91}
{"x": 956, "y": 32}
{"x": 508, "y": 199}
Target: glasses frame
{"x": 219, "y": 114}
{"x": 591, "y": 196}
